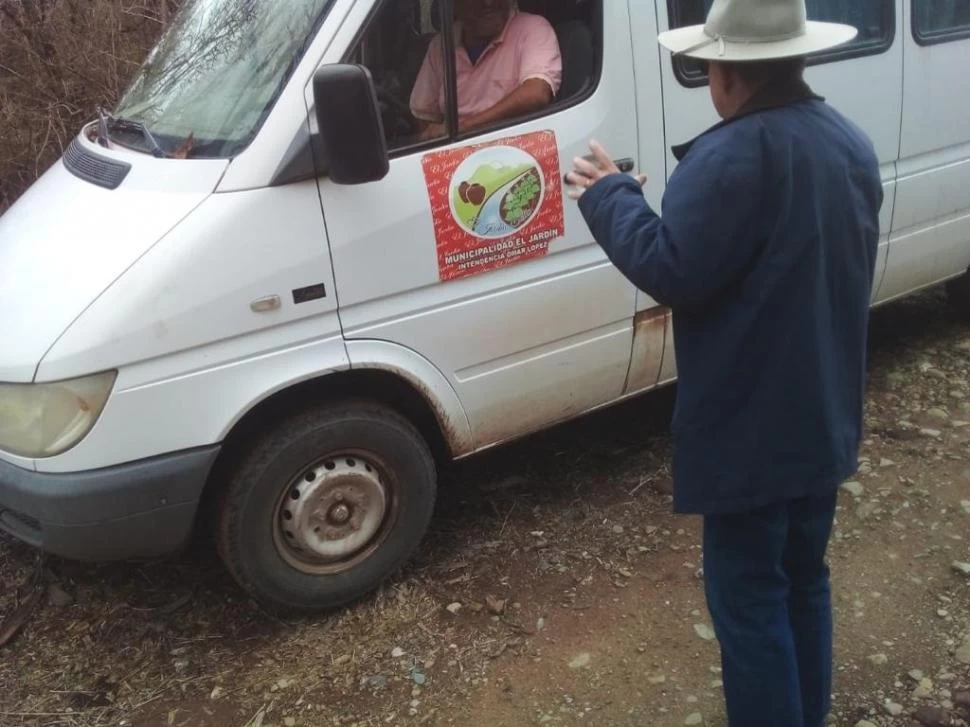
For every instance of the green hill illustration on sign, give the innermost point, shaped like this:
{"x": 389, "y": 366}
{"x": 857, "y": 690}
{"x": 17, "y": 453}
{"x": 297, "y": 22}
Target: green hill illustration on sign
{"x": 472, "y": 194}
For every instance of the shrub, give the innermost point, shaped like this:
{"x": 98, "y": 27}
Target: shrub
{"x": 60, "y": 60}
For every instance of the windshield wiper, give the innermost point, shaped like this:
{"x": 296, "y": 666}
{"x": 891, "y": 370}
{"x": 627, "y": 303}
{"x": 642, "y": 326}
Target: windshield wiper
{"x": 107, "y": 122}
{"x": 103, "y": 136}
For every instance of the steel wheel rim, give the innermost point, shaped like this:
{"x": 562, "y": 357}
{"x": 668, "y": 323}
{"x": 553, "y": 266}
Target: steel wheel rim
{"x": 335, "y": 513}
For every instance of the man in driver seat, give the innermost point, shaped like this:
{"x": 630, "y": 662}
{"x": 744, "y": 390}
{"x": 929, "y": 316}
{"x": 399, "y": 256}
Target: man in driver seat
{"x": 508, "y": 65}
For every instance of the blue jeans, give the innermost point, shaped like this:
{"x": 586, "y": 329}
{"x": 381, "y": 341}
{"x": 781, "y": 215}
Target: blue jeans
{"x": 768, "y": 592}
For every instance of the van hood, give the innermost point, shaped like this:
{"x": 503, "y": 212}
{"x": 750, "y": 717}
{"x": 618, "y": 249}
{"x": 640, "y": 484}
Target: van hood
{"x": 67, "y": 240}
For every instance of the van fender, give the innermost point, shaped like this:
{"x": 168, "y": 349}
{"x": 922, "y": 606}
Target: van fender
{"x": 426, "y": 378}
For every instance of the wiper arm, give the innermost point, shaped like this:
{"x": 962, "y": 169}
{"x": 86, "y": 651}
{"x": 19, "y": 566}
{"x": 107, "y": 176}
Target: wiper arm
{"x": 103, "y": 137}
{"x": 108, "y": 121}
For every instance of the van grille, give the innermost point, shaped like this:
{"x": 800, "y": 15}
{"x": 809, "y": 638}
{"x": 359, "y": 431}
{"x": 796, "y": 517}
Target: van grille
{"x": 94, "y": 168}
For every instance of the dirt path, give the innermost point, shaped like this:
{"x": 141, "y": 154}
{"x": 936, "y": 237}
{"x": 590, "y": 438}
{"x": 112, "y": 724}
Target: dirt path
{"x": 574, "y": 595}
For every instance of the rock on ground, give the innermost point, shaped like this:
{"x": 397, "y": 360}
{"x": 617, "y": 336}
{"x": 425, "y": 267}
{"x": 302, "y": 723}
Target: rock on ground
{"x": 704, "y": 631}
{"x": 854, "y": 488}
{"x": 58, "y": 597}
{"x": 893, "y": 708}
{"x": 932, "y": 717}
{"x": 963, "y": 653}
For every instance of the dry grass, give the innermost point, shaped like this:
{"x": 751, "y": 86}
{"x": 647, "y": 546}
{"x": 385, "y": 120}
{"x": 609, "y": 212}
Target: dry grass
{"x": 59, "y": 60}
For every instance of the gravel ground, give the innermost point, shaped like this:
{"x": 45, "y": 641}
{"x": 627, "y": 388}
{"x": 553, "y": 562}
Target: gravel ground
{"x": 554, "y": 588}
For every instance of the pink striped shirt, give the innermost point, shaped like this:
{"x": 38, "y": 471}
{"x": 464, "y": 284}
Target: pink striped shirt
{"x": 527, "y": 48}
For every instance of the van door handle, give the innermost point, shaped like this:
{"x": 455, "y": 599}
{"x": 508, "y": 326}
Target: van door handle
{"x": 625, "y": 165}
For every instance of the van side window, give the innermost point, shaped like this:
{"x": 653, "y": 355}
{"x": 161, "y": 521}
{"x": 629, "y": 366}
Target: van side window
{"x": 875, "y": 20}
{"x": 939, "y": 21}
{"x": 393, "y": 47}
{"x": 435, "y": 87}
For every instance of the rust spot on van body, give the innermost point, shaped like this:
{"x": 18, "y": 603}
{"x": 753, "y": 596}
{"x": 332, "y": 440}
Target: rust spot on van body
{"x": 649, "y": 334}
{"x": 457, "y": 439}
{"x": 652, "y": 317}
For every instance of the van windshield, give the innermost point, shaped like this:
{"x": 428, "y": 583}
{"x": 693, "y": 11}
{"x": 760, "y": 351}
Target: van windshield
{"x": 208, "y": 85}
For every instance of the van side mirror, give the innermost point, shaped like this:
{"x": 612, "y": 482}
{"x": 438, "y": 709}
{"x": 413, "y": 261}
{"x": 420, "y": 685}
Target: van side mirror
{"x": 350, "y": 123}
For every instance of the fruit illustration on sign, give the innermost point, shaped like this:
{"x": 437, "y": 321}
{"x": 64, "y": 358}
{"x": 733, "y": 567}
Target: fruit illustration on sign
{"x": 473, "y": 194}
{"x": 476, "y": 194}
{"x": 496, "y": 191}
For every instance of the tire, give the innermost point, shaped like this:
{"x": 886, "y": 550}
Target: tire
{"x": 354, "y": 477}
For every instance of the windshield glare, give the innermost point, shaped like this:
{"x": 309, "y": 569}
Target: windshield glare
{"x": 218, "y": 70}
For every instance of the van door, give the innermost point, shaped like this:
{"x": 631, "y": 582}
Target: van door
{"x": 862, "y": 79}
{"x": 931, "y": 226}
{"x": 469, "y": 252}
{"x": 650, "y": 362}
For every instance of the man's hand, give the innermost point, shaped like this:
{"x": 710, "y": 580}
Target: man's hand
{"x": 587, "y": 173}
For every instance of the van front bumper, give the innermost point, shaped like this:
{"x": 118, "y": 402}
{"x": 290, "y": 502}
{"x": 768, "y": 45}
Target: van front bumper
{"x": 137, "y": 510}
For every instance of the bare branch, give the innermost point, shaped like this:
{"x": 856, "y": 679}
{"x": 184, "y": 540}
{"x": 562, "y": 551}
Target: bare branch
{"x": 58, "y": 60}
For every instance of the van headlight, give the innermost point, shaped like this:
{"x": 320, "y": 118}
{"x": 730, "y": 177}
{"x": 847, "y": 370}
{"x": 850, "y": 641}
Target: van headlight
{"x": 42, "y": 420}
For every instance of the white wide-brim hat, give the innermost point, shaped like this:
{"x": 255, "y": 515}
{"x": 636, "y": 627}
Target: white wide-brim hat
{"x": 756, "y": 30}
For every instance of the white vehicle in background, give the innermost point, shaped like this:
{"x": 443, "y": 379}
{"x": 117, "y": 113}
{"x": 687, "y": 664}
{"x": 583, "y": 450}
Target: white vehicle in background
{"x": 254, "y": 285}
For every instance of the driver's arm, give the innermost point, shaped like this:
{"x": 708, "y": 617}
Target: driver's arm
{"x": 533, "y": 95}
{"x": 426, "y": 94}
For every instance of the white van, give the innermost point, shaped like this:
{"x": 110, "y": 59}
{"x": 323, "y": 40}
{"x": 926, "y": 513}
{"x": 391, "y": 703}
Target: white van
{"x": 255, "y": 286}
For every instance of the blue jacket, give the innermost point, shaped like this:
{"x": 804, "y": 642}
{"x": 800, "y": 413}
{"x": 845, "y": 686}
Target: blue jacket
{"x": 765, "y": 253}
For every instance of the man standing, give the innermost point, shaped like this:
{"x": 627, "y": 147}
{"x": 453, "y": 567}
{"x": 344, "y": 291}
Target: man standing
{"x": 765, "y": 252}
{"x": 508, "y": 65}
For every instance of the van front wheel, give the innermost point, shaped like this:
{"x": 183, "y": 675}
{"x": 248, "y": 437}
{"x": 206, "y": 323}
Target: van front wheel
{"x": 327, "y": 506}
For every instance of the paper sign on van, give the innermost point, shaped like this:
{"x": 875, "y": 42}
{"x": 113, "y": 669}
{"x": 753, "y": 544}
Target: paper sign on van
{"x": 494, "y": 204}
